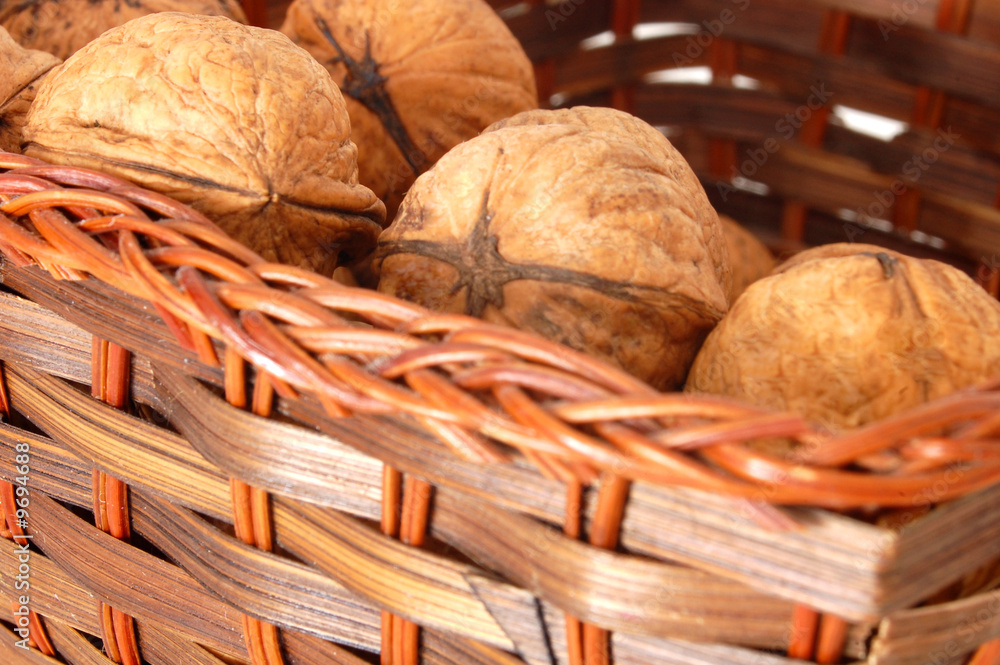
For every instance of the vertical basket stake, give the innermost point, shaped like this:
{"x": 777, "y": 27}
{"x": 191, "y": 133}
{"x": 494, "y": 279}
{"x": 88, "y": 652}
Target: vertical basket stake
{"x": 251, "y": 506}
{"x": 604, "y": 533}
{"x": 110, "y": 380}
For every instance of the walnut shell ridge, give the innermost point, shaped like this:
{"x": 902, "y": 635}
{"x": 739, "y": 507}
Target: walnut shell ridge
{"x": 581, "y": 236}
{"x": 234, "y": 120}
{"x": 419, "y": 77}
{"x": 849, "y": 334}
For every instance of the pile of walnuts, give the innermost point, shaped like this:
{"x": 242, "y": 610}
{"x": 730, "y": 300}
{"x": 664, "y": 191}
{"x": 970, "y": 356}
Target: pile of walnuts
{"x": 404, "y": 141}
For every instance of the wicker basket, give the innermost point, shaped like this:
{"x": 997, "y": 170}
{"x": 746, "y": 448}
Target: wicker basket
{"x": 272, "y": 483}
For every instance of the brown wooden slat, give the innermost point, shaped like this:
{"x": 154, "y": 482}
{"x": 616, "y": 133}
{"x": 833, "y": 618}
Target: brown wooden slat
{"x": 830, "y": 183}
{"x": 74, "y": 647}
{"x": 585, "y": 71}
{"x": 151, "y": 588}
{"x": 931, "y": 59}
{"x": 13, "y": 655}
{"x": 53, "y": 593}
{"x": 545, "y": 31}
{"x": 984, "y": 22}
{"x": 531, "y": 555}
{"x": 930, "y": 634}
{"x": 636, "y": 651}
{"x": 976, "y": 124}
{"x": 918, "y": 14}
{"x": 786, "y": 25}
{"x": 959, "y": 170}
{"x": 161, "y": 647}
{"x": 849, "y": 83}
{"x": 301, "y": 649}
{"x": 974, "y": 228}
{"x": 259, "y": 583}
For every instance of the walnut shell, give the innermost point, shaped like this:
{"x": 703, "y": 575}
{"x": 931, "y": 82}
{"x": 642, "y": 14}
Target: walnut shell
{"x": 581, "y": 236}
{"x": 748, "y": 256}
{"x": 640, "y": 133}
{"x": 234, "y": 120}
{"x": 845, "y": 336}
{"x": 63, "y": 27}
{"x": 21, "y": 72}
{"x": 420, "y": 77}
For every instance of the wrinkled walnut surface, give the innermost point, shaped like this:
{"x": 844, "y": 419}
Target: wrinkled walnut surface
{"x": 21, "y": 72}
{"x": 641, "y": 134}
{"x": 419, "y": 76}
{"x": 234, "y": 120}
{"x": 584, "y": 237}
{"x": 850, "y": 334}
{"x": 63, "y": 27}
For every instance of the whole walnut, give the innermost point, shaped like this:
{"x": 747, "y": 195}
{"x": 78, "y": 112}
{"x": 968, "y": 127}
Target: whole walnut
{"x": 63, "y": 27}
{"x": 21, "y": 72}
{"x": 750, "y": 258}
{"x": 235, "y": 121}
{"x": 582, "y": 236}
{"x": 849, "y": 334}
{"x": 640, "y": 133}
{"x": 420, "y": 76}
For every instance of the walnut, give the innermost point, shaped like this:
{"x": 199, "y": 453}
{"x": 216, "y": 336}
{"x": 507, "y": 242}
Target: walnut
{"x": 748, "y": 256}
{"x": 849, "y": 334}
{"x": 63, "y": 27}
{"x": 234, "y": 120}
{"x": 420, "y": 77}
{"x": 591, "y": 238}
{"x": 21, "y": 72}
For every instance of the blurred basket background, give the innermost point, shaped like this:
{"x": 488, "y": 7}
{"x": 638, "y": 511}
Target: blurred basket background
{"x": 226, "y": 536}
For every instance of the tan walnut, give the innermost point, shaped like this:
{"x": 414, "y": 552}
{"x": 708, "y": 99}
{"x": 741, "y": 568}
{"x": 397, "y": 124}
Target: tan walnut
{"x": 848, "y": 334}
{"x": 234, "y": 120}
{"x": 63, "y": 27}
{"x": 590, "y": 238}
{"x": 420, "y": 76}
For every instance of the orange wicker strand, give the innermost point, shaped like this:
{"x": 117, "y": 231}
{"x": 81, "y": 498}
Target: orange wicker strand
{"x": 832, "y": 633}
{"x": 392, "y": 497}
{"x": 802, "y": 638}
{"x": 604, "y": 532}
{"x": 987, "y": 654}
{"x": 413, "y": 530}
{"x": 111, "y": 370}
{"x": 251, "y": 507}
{"x": 572, "y": 526}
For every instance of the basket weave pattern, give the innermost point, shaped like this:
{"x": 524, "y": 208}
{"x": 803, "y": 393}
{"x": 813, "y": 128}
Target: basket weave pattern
{"x": 284, "y": 469}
